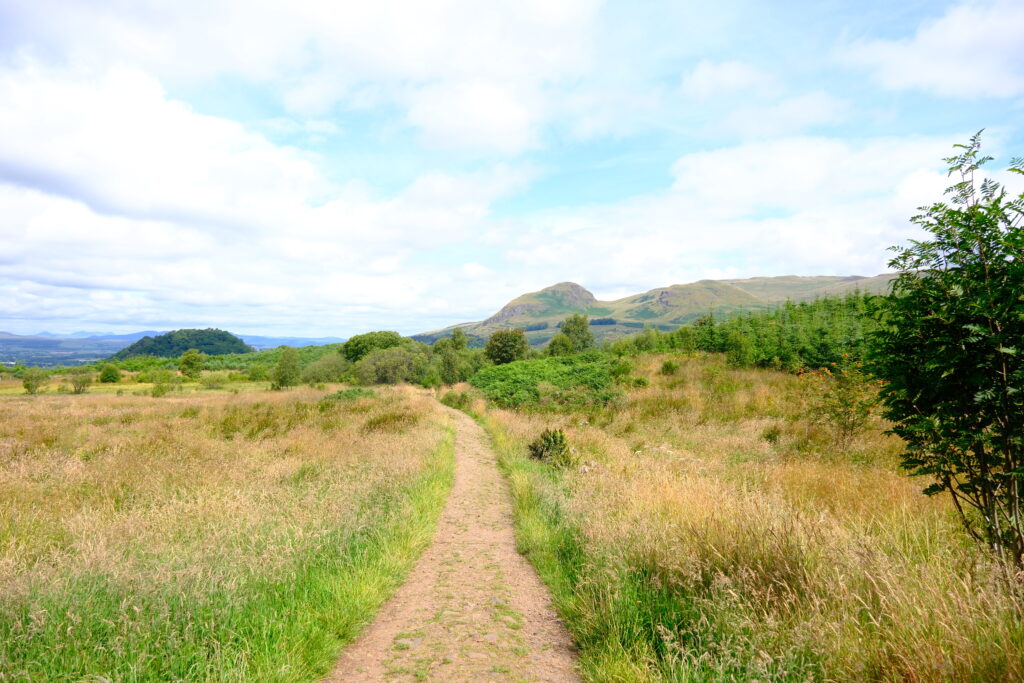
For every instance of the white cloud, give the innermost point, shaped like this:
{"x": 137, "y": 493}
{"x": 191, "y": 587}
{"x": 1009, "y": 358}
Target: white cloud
{"x": 476, "y": 115}
{"x": 973, "y": 50}
{"x": 790, "y": 115}
{"x": 709, "y": 79}
{"x": 483, "y": 64}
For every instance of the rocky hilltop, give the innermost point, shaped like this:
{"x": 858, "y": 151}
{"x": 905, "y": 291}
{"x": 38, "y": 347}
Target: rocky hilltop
{"x": 539, "y": 313}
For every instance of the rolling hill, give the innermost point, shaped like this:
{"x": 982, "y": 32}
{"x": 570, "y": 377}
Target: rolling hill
{"x": 539, "y": 313}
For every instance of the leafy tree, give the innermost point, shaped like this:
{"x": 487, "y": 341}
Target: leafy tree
{"x": 80, "y": 380}
{"x": 392, "y": 365}
{"x": 577, "y": 328}
{"x": 951, "y": 351}
{"x": 33, "y": 380}
{"x": 329, "y": 368}
{"x": 459, "y": 340}
{"x": 561, "y": 345}
{"x": 362, "y": 344}
{"x": 505, "y": 346}
{"x": 191, "y": 364}
{"x": 287, "y": 371}
{"x": 110, "y": 374}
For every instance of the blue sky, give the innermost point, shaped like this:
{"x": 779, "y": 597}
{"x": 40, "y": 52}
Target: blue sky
{"x": 332, "y": 167}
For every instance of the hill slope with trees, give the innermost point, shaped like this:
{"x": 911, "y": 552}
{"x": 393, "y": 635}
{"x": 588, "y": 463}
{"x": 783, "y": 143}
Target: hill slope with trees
{"x": 212, "y": 342}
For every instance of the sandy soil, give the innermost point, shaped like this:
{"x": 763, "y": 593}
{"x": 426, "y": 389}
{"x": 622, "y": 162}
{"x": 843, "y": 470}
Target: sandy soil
{"x": 473, "y": 609}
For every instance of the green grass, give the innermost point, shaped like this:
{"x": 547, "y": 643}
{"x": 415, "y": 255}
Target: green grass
{"x": 285, "y": 622}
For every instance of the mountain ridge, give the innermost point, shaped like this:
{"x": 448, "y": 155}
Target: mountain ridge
{"x": 539, "y": 313}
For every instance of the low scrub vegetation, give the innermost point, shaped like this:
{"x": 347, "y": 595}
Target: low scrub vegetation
{"x": 207, "y": 536}
{"x": 725, "y": 523}
{"x": 555, "y": 383}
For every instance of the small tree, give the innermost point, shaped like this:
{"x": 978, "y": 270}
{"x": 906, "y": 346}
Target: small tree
{"x": 191, "y": 364}
{"x": 577, "y": 328}
{"x": 459, "y": 339}
{"x": 360, "y": 345}
{"x": 505, "y": 346}
{"x": 33, "y": 380}
{"x": 80, "y": 380}
{"x": 287, "y": 371}
{"x": 110, "y": 374}
{"x": 951, "y": 351}
{"x": 561, "y": 345}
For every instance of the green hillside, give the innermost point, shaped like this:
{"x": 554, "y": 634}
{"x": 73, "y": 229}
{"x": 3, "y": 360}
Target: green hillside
{"x": 210, "y": 341}
{"x": 539, "y": 313}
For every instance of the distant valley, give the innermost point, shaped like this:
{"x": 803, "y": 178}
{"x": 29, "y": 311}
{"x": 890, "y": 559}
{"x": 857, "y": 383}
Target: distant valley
{"x": 48, "y": 350}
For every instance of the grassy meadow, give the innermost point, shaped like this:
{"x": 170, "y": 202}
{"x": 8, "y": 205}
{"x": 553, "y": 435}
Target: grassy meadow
{"x": 207, "y": 535}
{"x": 706, "y": 527}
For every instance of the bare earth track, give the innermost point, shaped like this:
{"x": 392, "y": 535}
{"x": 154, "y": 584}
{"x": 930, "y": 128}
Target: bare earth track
{"x": 473, "y": 609}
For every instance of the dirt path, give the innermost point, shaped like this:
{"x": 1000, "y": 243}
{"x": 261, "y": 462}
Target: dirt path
{"x": 473, "y": 609}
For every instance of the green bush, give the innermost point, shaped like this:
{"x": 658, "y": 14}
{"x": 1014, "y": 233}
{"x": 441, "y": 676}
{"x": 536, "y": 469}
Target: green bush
{"x": 330, "y": 368}
{"x": 551, "y": 446}
{"x": 550, "y": 383}
{"x": 80, "y": 380}
{"x": 393, "y": 365}
{"x": 287, "y": 371}
{"x": 669, "y": 367}
{"x": 110, "y": 374}
{"x": 33, "y": 380}
{"x": 361, "y": 345}
{"x": 191, "y": 364}
{"x": 460, "y": 400}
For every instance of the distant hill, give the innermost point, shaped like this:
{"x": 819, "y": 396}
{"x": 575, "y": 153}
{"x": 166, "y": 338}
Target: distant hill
{"x": 539, "y": 313}
{"x": 210, "y": 341}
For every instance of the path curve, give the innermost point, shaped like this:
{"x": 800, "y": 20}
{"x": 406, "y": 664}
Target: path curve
{"x": 473, "y": 609}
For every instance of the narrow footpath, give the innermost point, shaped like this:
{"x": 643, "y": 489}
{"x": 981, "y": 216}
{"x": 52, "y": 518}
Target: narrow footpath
{"x": 473, "y": 609}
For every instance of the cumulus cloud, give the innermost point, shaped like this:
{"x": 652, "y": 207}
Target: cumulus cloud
{"x": 972, "y": 50}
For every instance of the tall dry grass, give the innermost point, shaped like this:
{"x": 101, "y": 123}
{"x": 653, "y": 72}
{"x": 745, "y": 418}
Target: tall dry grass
{"x": 219, "y": 536}
{"x": 711, "y": 531}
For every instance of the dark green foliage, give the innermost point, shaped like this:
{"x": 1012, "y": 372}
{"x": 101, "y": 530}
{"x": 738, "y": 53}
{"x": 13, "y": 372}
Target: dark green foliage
{"x": 669, "y": 367}
{"x": 551, "y": 446}
{"x": 560, "y": 345}
{"x": 332, "y": 367}
{"x": 171, "y": 345}
{"x": 361, "y": 345}
{"x": 951, "y": 351}
{"x": 577, "y": 329}
{"x": 506, "y": 346}
{"x": 550, "y": 383}
{"x": 191, "y": 364}
{"x": 33, "y": 379}
{"x": 603, "y": 321}
{"x": 393, "y": 365}
{"x": 459, "y": 341}
{"x": 110, "y": 374}
{"x": 287, "y": 371}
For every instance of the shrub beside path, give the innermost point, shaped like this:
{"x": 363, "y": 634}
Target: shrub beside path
{"x": 473, "y": 609}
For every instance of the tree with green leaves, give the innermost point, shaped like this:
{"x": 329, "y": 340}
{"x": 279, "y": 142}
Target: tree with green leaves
{"x": 110, "y": 374}
{"x": 80, "y": 380}
{"x": 459, "y": 339}
{"x": 505, "y": 346}
{"x": 362, "y": 344}
{"x": 560, "y": 345}
{"x": 191, "y": 364}
{"x": 950, "y": 350}
{"x": 287, "y": 372}
{"x": 33, "y": 380}
{"x": 577, "y": 328}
